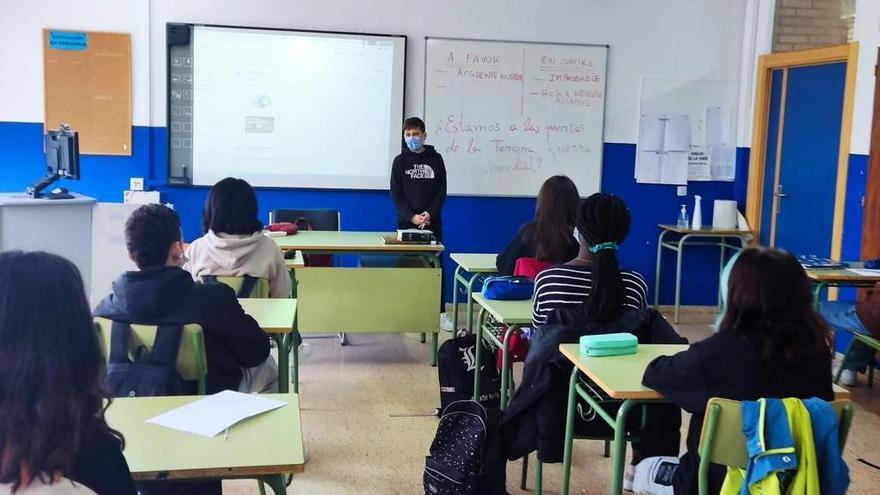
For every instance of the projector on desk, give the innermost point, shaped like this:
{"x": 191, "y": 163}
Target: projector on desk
{"x": 415, "y": 235}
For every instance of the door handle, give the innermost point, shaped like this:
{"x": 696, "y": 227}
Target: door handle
{"x": 780, "y": 196}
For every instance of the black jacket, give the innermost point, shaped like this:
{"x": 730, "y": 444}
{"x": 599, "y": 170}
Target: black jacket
{"x": 418, "y": 183}
{"x": 168, "y": 295}
{"x": 535, "y": 417}
{"x": 729, "y": 367}
{"x": 523, "y": 246}
{"x": 99, "y": 464}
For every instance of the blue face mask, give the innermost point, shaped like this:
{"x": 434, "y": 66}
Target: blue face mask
{"x": 414, "y": 143}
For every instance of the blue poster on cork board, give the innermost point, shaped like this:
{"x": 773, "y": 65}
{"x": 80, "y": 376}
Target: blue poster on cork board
{"x": 68, "y": 40}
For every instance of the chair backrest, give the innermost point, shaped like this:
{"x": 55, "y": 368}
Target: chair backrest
{"x": 192, "y": 360}
{"x": 320, "y": 219}
{"x": 260, "y": 290}
{"x": 722, "y": 440}
{"x": 529, "y": 267}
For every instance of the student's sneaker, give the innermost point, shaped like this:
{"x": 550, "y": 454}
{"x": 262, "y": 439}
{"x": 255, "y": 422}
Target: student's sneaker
{"x": 629, "y": 475}
{"x": 849, "y": 378}
{"x": 446, "y": 322}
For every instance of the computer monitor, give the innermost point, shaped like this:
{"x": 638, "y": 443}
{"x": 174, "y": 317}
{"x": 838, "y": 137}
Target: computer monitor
{"x": 62, "y": 162}
{"x": 62, "y": 153}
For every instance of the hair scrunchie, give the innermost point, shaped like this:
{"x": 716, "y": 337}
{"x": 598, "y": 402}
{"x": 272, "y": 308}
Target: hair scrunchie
{"x": 603, "y": 246}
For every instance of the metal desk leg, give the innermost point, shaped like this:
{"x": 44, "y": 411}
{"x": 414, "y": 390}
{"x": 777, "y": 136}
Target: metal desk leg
{"x": 720, "y": 271}
{"x": 817, "y": 294}
{"x": 618, "y": 457}
{"x": 678, "y": 276}
{"x": 478, "y": 354}
{"x": 505, "y": 367}
{"x": 569, "y": 433}
{"x": 470, "y": 303}
{"x": 456, "y": 278}
{"x": 275, "y": 482}
{"x": 283, "y": 343}
{"x": 657, "y": 269}
{"x": 434, "y": 337}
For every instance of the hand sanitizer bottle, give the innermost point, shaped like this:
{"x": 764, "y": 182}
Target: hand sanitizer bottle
{"x": 683, "y": 220}
{"x": 698, "y": 213}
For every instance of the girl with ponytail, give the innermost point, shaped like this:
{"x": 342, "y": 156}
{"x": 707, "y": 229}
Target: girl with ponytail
{"x": 593, "y": 280}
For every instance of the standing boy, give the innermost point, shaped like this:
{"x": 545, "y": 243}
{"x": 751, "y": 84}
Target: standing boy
{"x": 418, "y": 181}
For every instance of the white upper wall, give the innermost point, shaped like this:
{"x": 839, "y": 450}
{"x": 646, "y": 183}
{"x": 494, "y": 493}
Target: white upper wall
{"x": 672, "y": 39}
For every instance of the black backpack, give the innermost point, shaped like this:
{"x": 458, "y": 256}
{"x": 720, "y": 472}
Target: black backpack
{"x": 456, "y": 360}
{"x": 247, "y": 284}
{"x": 152, "y": 373}
{"x": 455, "y": 466}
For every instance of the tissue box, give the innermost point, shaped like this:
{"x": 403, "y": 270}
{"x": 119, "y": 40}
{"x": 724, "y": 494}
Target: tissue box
{"x": 609, "y": 344}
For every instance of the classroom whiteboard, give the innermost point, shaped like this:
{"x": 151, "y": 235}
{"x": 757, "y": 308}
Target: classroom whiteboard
{"x": 506, "y": 115}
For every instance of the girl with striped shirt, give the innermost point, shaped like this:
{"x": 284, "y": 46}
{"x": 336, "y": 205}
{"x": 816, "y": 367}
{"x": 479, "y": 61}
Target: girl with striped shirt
{"x": 593, "y": 280}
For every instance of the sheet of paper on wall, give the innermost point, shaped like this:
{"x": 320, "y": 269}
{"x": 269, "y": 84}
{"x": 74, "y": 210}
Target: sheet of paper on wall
{"x": 651, "y": 131}
{"x": 718, "y": 125}
{"x": 648, "y": 164}
{"x": 674, "y": 168}
{"x": 698, "y": 164}
{"x": 677, "y": 133}
{"x": 722, "y": 162}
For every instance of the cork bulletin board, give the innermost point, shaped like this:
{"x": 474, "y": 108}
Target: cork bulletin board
{"x": 87, "y": 78}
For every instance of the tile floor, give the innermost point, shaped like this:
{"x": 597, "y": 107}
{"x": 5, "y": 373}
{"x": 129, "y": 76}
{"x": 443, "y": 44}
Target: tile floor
{"x": 366, "y": 412}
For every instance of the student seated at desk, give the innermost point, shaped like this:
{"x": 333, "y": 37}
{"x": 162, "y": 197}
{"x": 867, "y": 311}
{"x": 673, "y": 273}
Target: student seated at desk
{"x": 594, "y": 276}
{"x": 234, "y": 244}
{"x": 771, "y": 343}
{"x": 863, "y": 317}
{"x": 550, "y": 236}
{"x": 52, "y": 400}
{"x": 163, "y": 293}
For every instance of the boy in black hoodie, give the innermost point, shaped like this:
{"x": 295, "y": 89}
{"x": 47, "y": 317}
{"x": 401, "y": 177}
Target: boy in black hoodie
{"x": 418, "y": 181}
{"x": 163, "y": 293}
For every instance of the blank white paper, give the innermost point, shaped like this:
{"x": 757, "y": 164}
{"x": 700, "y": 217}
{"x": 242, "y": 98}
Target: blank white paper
{"x": 210, "y": 416}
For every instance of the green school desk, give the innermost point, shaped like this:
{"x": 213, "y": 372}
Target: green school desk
{"x": 296, "y": 262}
{"x": 266, "y": 447}
{"x": 277, "y": 317}
{"x": 365, "y": 299}
{"x": 822, "y": 278}
{"x": 470, "y": 268}
{"x": 717, "y": 237}
{"x": 619, "y": 377}
{"x": 513, "y": 314}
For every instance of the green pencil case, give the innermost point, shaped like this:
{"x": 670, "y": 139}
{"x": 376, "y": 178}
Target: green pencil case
{"x": 609, "y": 344}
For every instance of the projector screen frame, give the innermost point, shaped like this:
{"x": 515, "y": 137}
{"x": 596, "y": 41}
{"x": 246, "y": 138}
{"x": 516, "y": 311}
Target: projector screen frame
{"x": 180, "y": 34}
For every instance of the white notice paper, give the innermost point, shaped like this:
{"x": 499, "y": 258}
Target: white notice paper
{"x": 651, "y": 131}
{"x": 698, "y": 164}
{"x": 213, "y": 414}
{"x": 718, "y": 125}
{"x": 677, "y": 134}
{"x": 722, "y": 161}
{"x": 675, "y": 168}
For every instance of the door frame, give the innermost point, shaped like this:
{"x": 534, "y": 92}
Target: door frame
{"x": 870, "y": 247}
{"x": 766, "y": 65}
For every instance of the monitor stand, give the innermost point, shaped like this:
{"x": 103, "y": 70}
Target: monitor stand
{"x": 35, "y": 190}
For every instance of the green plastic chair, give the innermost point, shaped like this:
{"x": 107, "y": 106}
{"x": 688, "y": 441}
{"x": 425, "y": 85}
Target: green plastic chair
{"x": 866, "y": 340}
{"x": 192, "y": 361}
{"x": 722, "y": 440}
{"x": 260, "y": 290}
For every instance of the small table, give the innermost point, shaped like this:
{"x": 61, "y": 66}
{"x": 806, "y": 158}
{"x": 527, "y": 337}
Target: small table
{"x": 720, "y": 236}
{"x": 823, "y": 278}
{"x": 620, "y": 377}
{"x": 514, "y": 314}
{"x": 477, "y": 265}
{"x": 266, "y": 447}
{"x": 277, "y": 317}
{"x": 366, "y": 299}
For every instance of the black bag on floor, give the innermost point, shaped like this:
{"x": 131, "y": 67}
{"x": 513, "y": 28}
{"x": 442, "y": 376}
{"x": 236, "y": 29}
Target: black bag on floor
{"x": 455, "y": 466}
{"x": 456, "y": 361}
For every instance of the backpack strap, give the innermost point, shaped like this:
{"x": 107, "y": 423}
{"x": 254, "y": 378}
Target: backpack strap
{"x": 247, "y": 286}
{"x": 166, "y": 345}
{"x": 120, "y": 333}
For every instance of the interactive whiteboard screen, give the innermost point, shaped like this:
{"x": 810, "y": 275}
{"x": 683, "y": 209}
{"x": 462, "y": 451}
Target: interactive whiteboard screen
{"x": 294, "y": 108}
